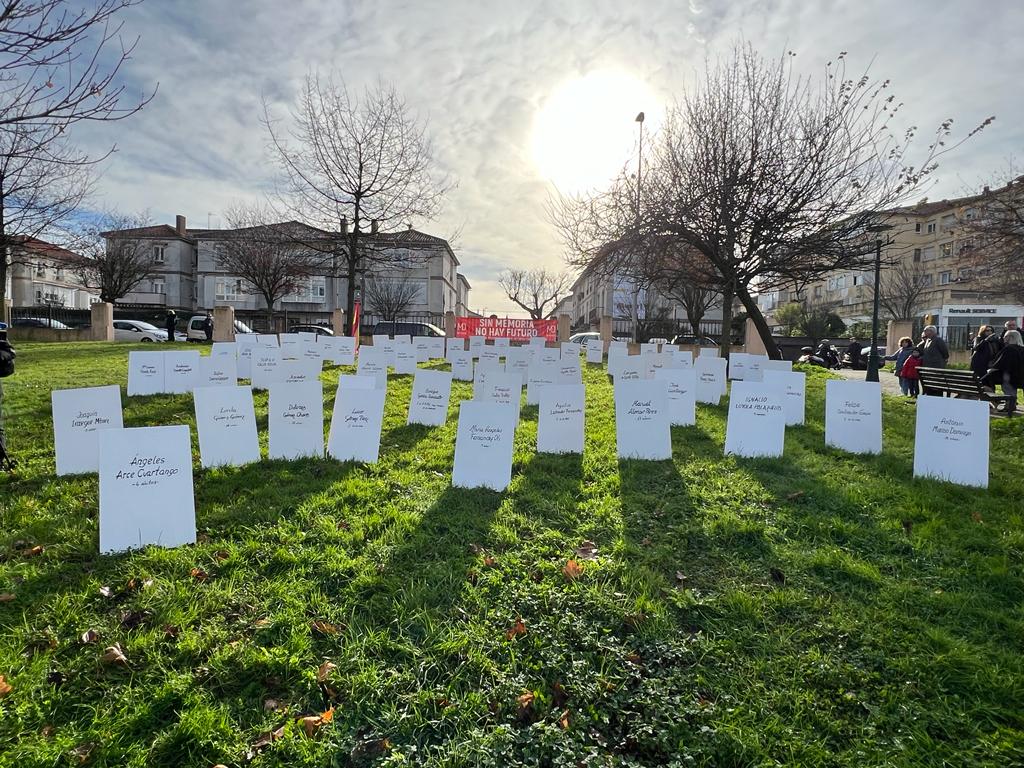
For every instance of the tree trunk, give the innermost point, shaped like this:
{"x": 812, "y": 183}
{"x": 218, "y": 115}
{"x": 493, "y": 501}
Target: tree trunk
{"x": 270, "y": 313}
{"x": 725, "y": 339}
{"x": 3, "y": 258}
{"x": 754, "y": 313}
{"x": 350, "y": 298}
{"x": 694, "y": 321}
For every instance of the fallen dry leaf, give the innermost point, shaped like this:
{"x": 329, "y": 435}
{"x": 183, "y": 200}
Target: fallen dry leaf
{"x": 262, "y": 622}
{"x": 328, "y": 716}
{"x": 525, "y": 703}
{"x": 83, "y": 751}
{"x": 114, "y": 656}
{"x": 37, "y": 550}
{"x": 645, "y": 541}
{"x": 976, "y": 517}
{"x": 171, "y": 631}
{"x": 5, "y": 687}
{"x": 559, "y": 695}
{"x": 199, "y": 574}
{"x": 222, "y": 554}
{"x": 6, "y": 597}
{"x": 489, "y": 561}
{"x": 47, "y": 731}
{"x": 324, "y": 627}
{"x": 310, "y": 725}
{"x": 519, "y": 628}
{"x": 794, "y": 496}
{"x": 89, "y": 636}
{"x": 572, "y": 570}
{"x": 563, "y": 721}
{"x": 270, "y": 705}
{"x": 587, "y": 551}
{"x": 325, "y": 670}
{"x": 266, "y": 738}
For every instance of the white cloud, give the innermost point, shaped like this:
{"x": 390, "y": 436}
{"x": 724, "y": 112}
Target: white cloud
{"x": 481, "y": 70}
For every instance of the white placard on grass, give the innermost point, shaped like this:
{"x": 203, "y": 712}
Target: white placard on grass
{"x": 650, "y": 346}
{"x": 483, "y": 445}
{"x": 453, "y": 344}
{"x": 422, "y": 346}
{"x": 224, "y": 349}
{"x": 489, "y": 354}
{"x": 560, "y": 418}
{"x": 481, "y": 369}
{"x": 181, "y": 371}
{"x": 382, "y": 342}
{"x": 402, "y": 338}
{"x": 517, "y": 360}
{"x": 617, "y": 358}
{"x": 296, "y": 371}
{"x": 756, "y": 423}
{"x": 339, "y": 350}
{"x": 264, "y": 366}
{"x": 217, "y": 371}
{"x": 737, "y": 366}
{"x": 374, "y": 363}
{"x": 708, "y": 352}
{"x": 634, "y": 368}
{"x": 146, "y": 494}
{"x": 502, "y": 343}
{"x": 356, "y": 425}
{"x": 405, "y": 359}
{"x": 642, "y": 429}
{"x": 755, "y": 367}
{"x": 310, "y": 349}
{"x": 226, "y": 421}
{"x": 540, "y": 375}
{"x": 291, "y": 345}
{"x": 678, "y": 359}
{"x": 537, "y": 342}
{"x": 295, "y": 416}
{"x": 462, "y": 364}
{"x": 681, "y": 391}
{"x": 431, "y": 392}
{"x": 547, "y": 355}
{"x": 710, "y": 379}
{"x": 355, "y": 381}
{"x": 951, "y": 440}
{"x": 79, "y": 415}
{"x": 267, "y": 340}
{"x": 500, "y": 387}
{"x": 853, "y": 416}
{"x": 793, "y": 385}
{"x": 594, "y": 354}
{"x": 145, "y": 373}
{"x": 435, "y": 348}
{"x": 476, "y": 343}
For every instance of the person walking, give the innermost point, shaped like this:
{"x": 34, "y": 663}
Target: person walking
{"x": 909, "y": 371}
{"x": 208, "y": 327}
{"x": 853, "y": 352}
{"x": 1007, "y": 368}
{"x": 900, "y": 357}
{"x": 170, "y": 321}
{"x": 986, "y": 345}
{"x": 934, "y": 352}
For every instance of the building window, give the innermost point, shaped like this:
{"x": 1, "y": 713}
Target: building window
{"x": 158, "y": 287}
{"x": 227, "y": 288}
{"x": 917, "y": 227}
{"x": 926, "y": 281}
{"x": 966, "y": 244}
{"x": 931, "y": 227}
{"x": 917, "y": 254}
{"x": 40, "y": 269}
{"x": 964, "y": 273}
{"x": 39, "y": 295}
{"x": 817, "y": 291}
{"x": 158, "y": 253}
{"x": 928, "y": 254}
{"x": 946, "y": 249}
{"x": 945, "y": 278}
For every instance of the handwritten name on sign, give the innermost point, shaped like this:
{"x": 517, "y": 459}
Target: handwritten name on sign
{"x": 356, "y": 425}
{"x": 295, "y": 416}
{"x": 431, "y": 392}
{"x": 853, "y": 416}
{"x": 757, "y": 420}
{"x": 145, "y": 373}
{"x": 682, "y": 394}
{"x": 78, "y": 415}
{"x": 226, "y": 420}
{"x": 146, "y": 494}
{"x": 951, "y": 440}
{"x": 483, "y": 445}
{"x": 641, "y": 420}
{"x": 560, "y": 419}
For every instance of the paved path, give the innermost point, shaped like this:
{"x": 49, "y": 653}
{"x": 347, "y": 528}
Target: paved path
{"x": 890, "y": 383}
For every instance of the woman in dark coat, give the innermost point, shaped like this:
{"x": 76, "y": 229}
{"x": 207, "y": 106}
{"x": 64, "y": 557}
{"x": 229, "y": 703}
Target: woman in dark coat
{"x": 986, "y": 345}
{"x": 170, "y": 320}
{"x": 1007, "y": 368}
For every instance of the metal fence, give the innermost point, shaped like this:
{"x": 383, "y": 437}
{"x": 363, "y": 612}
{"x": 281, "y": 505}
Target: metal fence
{"x": 669, "y": 329}
{"x": 48, "y": 316}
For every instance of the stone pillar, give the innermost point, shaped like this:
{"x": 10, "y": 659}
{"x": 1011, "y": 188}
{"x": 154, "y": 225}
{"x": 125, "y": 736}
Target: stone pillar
{"x": 606, "y": 331}
{"x": 102, "y": 321}
{"x": 895, "y": 330}
{"x": 223, "y": 323}
{"x": 449, "y": 324}
{"x": 8, "y": 309}
{"x": 752, "y": 343}
{"x": 338, "y": 322}
{"x": 563, "y": 327}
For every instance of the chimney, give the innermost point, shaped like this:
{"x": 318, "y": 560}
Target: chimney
{"x": 179, "y": 224}
{"x": 985, "y": 190}
{"x": 373, "y": 226}
{"x": 343, "y": 228}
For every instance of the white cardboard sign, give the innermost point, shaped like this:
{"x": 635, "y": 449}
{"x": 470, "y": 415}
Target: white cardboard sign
{"x": 267, "y": 340}
{"x": 539, "y": 376}
{"x": 422, "y": 346}
{"x": 641, "y": 420}
{"x": 356, "y": 425}
{"x": 777, "y": 365}
{"x": 355, "y": 381}
{"x": 756, "y": 423}
{"x": 145, "y": 373}
{"x": 537, "y": 342}
{"x": 181, "y": 371}
{"x": 634, "y": 368}
{"x": 517, "y": 360}
{"x": 405, "y": 359}
{"x": 338, "y": 350}
{"x": 299, "y": 370}
{"x": 476, "y": 343}
{"x": 560, "y": 419}
{"x": 217, "y": 371}
{"x": 462, "y": 364}
{"x": 79, "y": 415}
{"x": 452, "y": 344}
{"x": 224, "y": 349}
{"x": 291, "y": 345}
{"x": 737, "y": 366}
{"x": 146, "y": 494}
{"x": 547, "y": 355}
{"x": 503, "y": 343}
{"x": 296, "y": 420}
{"x": 500, "y": 387}
{"x": 483, "y": 445}
{"x": 793, "y": 385}
{"x": 374, "y": 363}
{"x": 755, "y": 367}
{"x": 594, "y": 354}
{"x": 226, "y": 421}
{"x": 951, "y": 440}
{"x": 682, "y": 394}
{"x": 265, "y": 364}
{"x": 435, "y": 348}
{"x": 710, "y": 379}
{"x": 480, "y": 372}
{"x": 853, "y": 416}
{"x": 431, "y": 392}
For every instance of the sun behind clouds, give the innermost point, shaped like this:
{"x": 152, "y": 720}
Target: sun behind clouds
{"x": 586, "y": 131}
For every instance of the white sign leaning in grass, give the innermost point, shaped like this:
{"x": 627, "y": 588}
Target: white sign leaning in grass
{"x": 641, "y": 420}
{"x": 757, "y": 420}
{"x": 710, "y": 379}
{"x": 264, "y": 366}
{"x": 431, "y": 391}
{"x": 951, "y": 440}
{"x": 793, "y": 385}
{"x": 500, "y": 387}
{"x": 560, "y": 419}
{"x": 682, "y": 394}
{"x": 295, "y": 417}
{"x": 217, "y": 371}
{"x": 356, "y": 425}
{"x": 374, "y": 363}
{"x": 146, "y": 494}
{"x": 145, "y": 373}
{"x": 462, "y": 364}
{"x": 483, "y": 445}
{"x": 226, "y": 421}
{"x": 181, "y": 371}
{"x": 405, "y": 359}
{"x": 594, "y": 352}
{"x": 853, "y": 416}
{"x": 79, "y": 415}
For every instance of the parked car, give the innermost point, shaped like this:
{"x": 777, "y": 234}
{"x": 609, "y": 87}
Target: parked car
{"x": 138, "y": 330}
{"x": 319, "y": 330}
{"x": 404, "y": 328}
{"x": 39, "y": 322}
{"x": 697, "y": 341}
{"x": 195, "y": 330}
{"x": 583, "y": 336}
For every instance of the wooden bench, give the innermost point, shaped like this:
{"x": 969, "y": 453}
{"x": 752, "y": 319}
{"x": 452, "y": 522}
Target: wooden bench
{"x": 952, "y": 382}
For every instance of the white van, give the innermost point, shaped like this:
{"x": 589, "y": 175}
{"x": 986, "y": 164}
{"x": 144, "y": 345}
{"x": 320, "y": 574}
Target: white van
{"x": 196, "y": 328}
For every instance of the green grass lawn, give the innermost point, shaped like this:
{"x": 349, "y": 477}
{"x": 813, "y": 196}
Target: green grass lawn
{"x": 817, "y": 610}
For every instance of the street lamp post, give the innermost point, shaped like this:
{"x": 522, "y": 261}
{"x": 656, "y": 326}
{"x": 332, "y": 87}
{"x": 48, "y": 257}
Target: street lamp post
{"x": 639, "y": 171}
{"x": 873, "y": 362}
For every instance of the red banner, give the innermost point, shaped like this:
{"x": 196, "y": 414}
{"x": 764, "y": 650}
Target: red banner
{"x": 505, "y": 328}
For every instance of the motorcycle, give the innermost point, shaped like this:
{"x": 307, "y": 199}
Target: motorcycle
{"x": 823, "y": 357}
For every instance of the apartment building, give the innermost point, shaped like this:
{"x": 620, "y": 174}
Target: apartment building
{"x": 930, "y": 251}
{"x": 189, "y": 275}
{"x": 41, "y": 274}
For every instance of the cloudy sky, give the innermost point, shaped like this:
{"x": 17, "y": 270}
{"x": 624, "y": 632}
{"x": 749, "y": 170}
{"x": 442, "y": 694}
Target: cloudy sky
{"x": 523, "y": 96}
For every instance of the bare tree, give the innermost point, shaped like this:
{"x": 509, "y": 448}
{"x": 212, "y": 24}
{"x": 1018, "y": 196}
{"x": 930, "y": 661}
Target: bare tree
{"x": 356, "y": 160}
{"x": 685, "y": 276}
{"x": 270, "y": 259}
{"x": 900, "y": 290}
{"x": 538, "y": 291}
{"x": 772, "y": 178}
{"x": 115, "y": 263}
{"x": 56, "y": 70}
{"x": 390, "y": 297}
{"x": 992, "y": 241}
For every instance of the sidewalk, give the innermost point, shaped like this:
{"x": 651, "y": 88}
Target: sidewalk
{"x": 890, "y": 383}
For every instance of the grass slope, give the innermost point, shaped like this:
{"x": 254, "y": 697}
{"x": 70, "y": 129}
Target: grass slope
{"x": 822, "y": 609}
